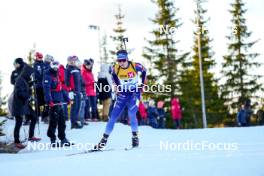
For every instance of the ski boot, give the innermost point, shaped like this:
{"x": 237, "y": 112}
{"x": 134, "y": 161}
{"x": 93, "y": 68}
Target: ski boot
{"x": 135, "y": 140}
{"x": 20, "y": 146}
{"x": 76, "y": 125}
{"x": 65, "y": 143}
{"x": 34, "y": 139}
{"x": 102, "y": 143}
{"x": 53, "y": 143}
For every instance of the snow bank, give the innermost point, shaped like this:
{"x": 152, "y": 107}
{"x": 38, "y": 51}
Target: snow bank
{"x": 206, "y": 152}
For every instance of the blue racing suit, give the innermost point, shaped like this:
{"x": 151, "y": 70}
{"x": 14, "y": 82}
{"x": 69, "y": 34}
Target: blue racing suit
{"x": 128, "y": 84}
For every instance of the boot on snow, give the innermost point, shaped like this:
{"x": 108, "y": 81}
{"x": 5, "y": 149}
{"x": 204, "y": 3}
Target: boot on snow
{"x": 135, "y": 140}
{"x": 65, "y": 143}
{"x": 54, "y": 144}
{"x": 34, "y": 139}
{"x": 102, "y": 143}
{"x": 20, "y": 146}
{"x": 76, "y": 125}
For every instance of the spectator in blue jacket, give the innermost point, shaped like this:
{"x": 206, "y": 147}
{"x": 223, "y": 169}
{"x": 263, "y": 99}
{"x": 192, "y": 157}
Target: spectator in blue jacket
{"x": 47, "y": 61}
{"x": 243, "y": 116}
{"x": 38, "y": 77}
{"x": 54, "y": 97}
{"x": 46, "y": 66}
{"x": 162, "y": 115}
{"x": 153, "y": 114}
{"x": 73, "y": 82}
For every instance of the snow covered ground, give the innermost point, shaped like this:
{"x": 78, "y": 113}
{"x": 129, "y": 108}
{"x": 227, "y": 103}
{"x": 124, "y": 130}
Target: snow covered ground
{"x": 205, "y": 152}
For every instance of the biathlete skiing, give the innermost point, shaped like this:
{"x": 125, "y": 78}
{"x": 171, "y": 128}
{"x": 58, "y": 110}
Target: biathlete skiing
{"x": 129, "y": 78}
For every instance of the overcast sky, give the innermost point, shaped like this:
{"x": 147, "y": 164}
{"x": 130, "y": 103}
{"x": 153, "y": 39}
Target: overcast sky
{"x": 60, "y": 28}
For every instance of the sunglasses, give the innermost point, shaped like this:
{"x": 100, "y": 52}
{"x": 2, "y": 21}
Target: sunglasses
{"x": 122, "y": 60}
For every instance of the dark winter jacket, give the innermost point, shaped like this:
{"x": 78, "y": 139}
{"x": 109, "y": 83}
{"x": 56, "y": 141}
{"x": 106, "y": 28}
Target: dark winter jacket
{"x": 161, "y": 113}
{"x": 15, "y": 74}
{"x": 39, "y": 68}
{"x": 53, "y": 87}
{"x": 104, "y": 89}
{"x": 73, "y": 78}
{"x": 46, "y": 66}
{"x": 22, "y": 92}
{"x": 152, "y": 113}
{"x": 244, "y": 115}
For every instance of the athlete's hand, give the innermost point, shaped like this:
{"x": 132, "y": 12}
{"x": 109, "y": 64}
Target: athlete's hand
{"x": 71, "y": 95}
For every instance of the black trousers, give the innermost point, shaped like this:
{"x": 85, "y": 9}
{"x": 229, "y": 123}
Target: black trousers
{"x": 57, "y": 119}
{"x": 19, "y": 120}
{"x": 45, "y": 112}
{"x": 41, "y": 102}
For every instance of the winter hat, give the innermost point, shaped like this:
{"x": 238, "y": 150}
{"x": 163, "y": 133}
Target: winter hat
{"x": 48, "y": 58}
{"x": 91, "y": 60}
{"x": 87, "y": 62}
{"x": 122, "y": 54}
{"x": 19, "y": 61}
{"x": 247, "y": 103}
{"x": 38, "y": 56}
{"x": 72, "y": 58}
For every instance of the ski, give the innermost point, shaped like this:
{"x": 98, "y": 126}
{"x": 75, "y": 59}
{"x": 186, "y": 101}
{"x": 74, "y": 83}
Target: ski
{"x": 89, "y": 151}
{"x": 130, "y": 148}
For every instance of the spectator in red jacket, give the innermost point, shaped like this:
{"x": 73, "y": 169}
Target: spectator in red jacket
{"x": 61, "y": 73}
{"x": 142, "y": 113}
{"x": 176, "y": 112}
{"x": 88, "y": 79}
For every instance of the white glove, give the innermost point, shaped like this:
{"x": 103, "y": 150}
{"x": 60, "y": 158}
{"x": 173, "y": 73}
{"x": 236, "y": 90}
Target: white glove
{"x": 81, "y": 95}
{"x": 71, "y": 95}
